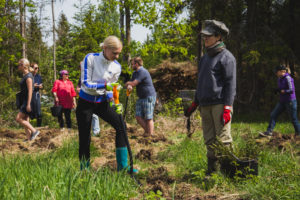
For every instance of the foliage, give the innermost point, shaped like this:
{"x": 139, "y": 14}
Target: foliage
{"x": 56, "y": 175}
{"x": 154, "y": 196}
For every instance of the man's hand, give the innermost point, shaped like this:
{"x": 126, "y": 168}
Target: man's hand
{"x": 190, "y": 109}
{"x": 129, "y": 88}
{"x": 226, "y": 116}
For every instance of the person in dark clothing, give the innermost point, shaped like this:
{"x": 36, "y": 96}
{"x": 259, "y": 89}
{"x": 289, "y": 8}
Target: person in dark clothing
{"x": 216, "y": 89}
{"x": 38, "y": 85}
{"x": 145, "y": 90}
{"x": 26, "y": 107}
{"x": 287, "y": 101}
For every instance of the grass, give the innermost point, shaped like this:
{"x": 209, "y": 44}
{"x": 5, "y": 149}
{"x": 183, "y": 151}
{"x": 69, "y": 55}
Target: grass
{"x": 279, "y": 171}
{"x": 57, "y": 176}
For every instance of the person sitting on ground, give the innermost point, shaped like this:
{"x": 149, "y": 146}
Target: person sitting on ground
{"x": 147, "y": 95}
{"x": 26, "y": 103}
{"x": 98, "y": 72}
{"x": 287, "y": 101}
{"x": 64, "y": 95}
{"x": 38, "y": 85}
{"x": 216, "y": 89}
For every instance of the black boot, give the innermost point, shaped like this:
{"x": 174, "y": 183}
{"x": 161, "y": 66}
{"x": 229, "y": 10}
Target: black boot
{"x": 211, "y": 166}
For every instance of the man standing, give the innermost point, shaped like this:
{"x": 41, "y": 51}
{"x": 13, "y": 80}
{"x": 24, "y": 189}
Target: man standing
{"x": 147, "y": 96}
{"x": 216, "y": 89}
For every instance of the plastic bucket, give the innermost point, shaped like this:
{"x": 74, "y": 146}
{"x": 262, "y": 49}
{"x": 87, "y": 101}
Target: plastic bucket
{"x": 240, "y": 168}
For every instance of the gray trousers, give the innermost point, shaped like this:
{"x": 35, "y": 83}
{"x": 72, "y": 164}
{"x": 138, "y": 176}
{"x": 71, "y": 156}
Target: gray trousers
{"x": 213, "y": 127}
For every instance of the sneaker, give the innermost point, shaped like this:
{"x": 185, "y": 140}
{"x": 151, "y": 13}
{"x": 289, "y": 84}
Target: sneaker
{"x": 34, "y": 135}
{"x": 96, "y": 134}
{"x": 265, "y": 134}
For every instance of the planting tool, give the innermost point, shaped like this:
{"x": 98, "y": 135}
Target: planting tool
{"x": 187, "y": 97}
{"x": 126, "y": 103}
{"x": 116, "y": 90}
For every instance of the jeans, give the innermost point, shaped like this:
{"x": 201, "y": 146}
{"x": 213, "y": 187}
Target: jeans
{"x": 291, "y": 108}
{"x": 95, "y": 125}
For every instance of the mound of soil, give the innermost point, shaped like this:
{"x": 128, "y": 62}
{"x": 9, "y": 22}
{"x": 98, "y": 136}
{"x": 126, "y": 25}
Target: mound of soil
{"x": 14, "y": 141}
{"x": 145, "y": 154}
{"x": 169, "y": 77}
{"x": 280, "y": 141}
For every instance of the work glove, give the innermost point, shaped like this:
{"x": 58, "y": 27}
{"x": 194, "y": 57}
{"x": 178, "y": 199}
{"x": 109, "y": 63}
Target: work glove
{"x": 190, "y": 109}
{"x": 226, "y": 116}
{"x": 117, "y": 107}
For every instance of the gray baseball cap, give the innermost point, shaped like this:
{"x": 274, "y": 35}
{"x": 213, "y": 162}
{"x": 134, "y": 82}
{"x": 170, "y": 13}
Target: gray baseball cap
{"x": 214, "y": 27}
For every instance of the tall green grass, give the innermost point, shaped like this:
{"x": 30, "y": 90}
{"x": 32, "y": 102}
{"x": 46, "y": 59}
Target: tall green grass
{"x": 56, "y": 175}
{"x": 279, "y": 171}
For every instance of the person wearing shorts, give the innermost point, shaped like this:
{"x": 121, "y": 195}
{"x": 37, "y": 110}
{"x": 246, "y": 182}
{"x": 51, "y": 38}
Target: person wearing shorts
{"x": 147, "y": 95}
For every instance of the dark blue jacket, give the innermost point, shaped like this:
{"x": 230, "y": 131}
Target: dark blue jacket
{"x": 216, "y": 79}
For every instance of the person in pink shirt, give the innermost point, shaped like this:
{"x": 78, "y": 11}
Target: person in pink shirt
{"x": 64, "y": 95}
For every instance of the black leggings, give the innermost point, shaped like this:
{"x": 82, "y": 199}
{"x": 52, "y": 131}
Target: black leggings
{"x": 67, "y": 113}
{"x": 84, "y": 114}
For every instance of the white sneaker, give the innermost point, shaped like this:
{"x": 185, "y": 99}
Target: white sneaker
{"x": 96, "y": 134}
{"x": 34, "y": 135}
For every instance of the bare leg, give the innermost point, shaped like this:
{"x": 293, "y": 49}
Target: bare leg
{"x": 142, "y": 122}
{"x": 150, "y": 126}
{"x": 23, "y": 119}
{"x": 27, "y": 131}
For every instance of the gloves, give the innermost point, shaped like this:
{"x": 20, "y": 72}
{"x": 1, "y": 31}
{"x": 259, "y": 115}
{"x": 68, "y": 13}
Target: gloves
{"x": 117, "y": 107}
{"x": 226, "y": 116}
{"x": 190, "y": 109}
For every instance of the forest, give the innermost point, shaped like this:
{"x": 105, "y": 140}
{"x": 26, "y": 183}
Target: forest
{"x": 263, "y": 35}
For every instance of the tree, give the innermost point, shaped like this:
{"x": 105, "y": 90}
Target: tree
{"x": 54, "y": 40}
{"x": 22, "y": 25}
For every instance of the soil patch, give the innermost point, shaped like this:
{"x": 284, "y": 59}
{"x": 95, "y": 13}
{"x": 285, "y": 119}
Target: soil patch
{"x": 280, "y": 141}
{"x": 145, "y": 154}
{"x": 173, "y": 77}
{"x": 15, "y": 141}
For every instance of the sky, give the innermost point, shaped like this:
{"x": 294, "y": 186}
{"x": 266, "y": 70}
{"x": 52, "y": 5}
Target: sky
{"x": 138, "y": 32}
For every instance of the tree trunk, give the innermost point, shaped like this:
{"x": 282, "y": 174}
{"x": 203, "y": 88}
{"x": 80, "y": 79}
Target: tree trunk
{"x": 199, "y": 42}
{"x": 122, "y": 25}
{"x": 22, "y": 27}
{"x": 128, "y": 32}
{"x": 293, "y": 36}
{"x": 251, "y": 20}
{"x": 54, "y": 45}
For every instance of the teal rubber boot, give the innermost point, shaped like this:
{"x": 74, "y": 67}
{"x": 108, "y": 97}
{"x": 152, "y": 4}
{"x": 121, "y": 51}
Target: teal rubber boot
{"x": 122, "y": 159}
{"x": 84, "y": 165}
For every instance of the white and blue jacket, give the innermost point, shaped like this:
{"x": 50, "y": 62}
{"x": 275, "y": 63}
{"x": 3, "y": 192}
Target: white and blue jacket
{"x": 96, "y": 72}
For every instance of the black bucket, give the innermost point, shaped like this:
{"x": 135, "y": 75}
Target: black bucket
{"x": 239, "y": 168}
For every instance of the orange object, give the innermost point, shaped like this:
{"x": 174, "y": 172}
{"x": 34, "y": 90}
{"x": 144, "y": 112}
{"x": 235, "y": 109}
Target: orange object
{"x": 116, "y": 94}
{"x": 128, "y": 92}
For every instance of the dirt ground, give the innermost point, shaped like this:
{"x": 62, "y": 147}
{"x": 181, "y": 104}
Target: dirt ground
{"x": 173, "y": 76}
{"x": 145, "y": 149}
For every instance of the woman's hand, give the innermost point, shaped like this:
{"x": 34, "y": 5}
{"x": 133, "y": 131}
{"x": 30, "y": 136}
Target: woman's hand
{"x": 28, "y": 108}
{"x": 74, "y": 104}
